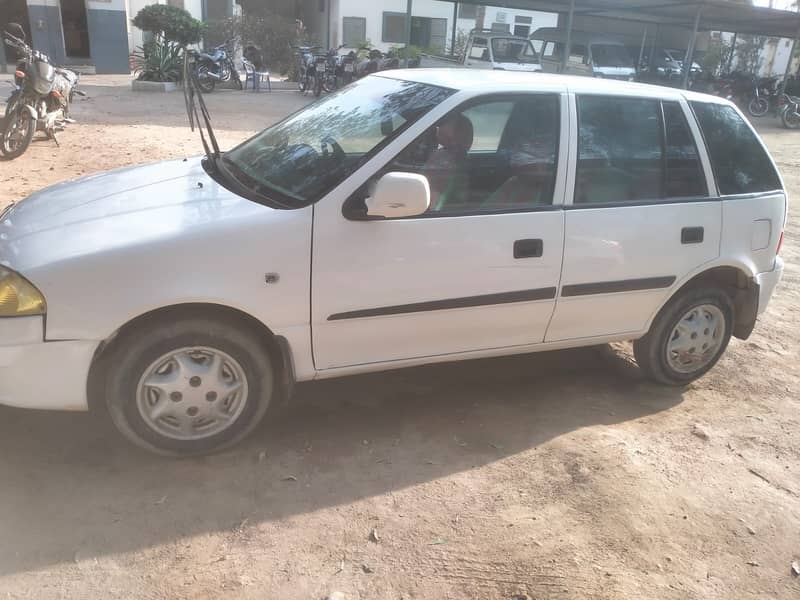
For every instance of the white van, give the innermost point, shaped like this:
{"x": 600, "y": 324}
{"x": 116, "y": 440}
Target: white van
{"x": 414, "y": 217}
{"x": 591, "y": 54}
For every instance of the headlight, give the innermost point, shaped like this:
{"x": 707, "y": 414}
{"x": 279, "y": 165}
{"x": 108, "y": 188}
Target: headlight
{"x": 18, "y": 297}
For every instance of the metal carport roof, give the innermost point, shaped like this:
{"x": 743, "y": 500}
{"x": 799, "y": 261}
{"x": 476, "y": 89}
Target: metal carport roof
{"x": 715, "y": 15}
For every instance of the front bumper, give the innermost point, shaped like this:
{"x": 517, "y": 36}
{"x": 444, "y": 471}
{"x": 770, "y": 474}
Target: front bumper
{"x": 767, "y": 282}
{"x": 39, "y": 374}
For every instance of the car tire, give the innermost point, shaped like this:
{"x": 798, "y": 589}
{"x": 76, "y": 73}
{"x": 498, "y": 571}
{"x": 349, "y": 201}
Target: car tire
{"x": 169, "y": 386}
{"x": 687, "y": 337}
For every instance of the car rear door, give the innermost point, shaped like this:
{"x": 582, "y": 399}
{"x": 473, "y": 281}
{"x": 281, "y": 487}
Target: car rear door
{"x": 640, "y": 218}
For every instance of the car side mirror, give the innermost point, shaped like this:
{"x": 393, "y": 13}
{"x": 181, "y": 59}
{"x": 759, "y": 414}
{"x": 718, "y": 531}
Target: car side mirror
{"x": 399, "y": 195}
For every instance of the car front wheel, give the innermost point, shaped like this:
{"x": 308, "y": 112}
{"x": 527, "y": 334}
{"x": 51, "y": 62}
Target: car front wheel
{"x": 189, "y": 387}
{"x": 688, "y": 336}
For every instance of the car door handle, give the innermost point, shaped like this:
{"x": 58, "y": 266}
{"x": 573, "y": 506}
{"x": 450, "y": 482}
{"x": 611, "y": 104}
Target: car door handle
{"x": 692, "y": 235}
{"x": 528, "y": 248}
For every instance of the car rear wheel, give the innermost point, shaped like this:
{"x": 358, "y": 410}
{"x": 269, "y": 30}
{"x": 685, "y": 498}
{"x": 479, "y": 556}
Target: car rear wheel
{"x": 687, "y": 338}
{"x": 189, "y": 387}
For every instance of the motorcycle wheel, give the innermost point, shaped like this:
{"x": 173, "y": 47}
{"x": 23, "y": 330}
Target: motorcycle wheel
{"x": 204, "y": 82}
{"x": 318, "y": 86}
{"x": 329, "y": 83}
{"x": 12, "y": 102}
{"x": 790, "y": 118}
{"x": 18, "y": 132}
{"x": 758, "y": 107}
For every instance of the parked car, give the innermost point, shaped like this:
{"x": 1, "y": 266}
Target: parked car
{"x": 591, "y": 54}
{"x": 486, "y": 49}
{"x": 417, "y": 216}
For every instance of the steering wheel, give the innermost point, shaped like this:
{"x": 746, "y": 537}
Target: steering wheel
{"x": 338, "y": 152}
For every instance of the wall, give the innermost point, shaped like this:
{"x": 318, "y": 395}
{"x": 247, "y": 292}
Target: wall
{"x": 373, "y": 11}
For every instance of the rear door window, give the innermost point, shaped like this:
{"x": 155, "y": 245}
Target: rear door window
{"x": 619, "y": 150}
{"x": 684, "y": 173}
{"x": 740, "y": 163}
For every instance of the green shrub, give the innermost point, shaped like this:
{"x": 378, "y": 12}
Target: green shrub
{"x": 170, "y": 23}
{"x": 159, "y": 61}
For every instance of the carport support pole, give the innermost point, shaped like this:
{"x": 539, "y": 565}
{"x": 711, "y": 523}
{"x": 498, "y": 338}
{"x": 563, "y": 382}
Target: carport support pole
{"x": 408, "y": 32}
{"x": 641, "y": 50}
{"x": 568, "y": 44}
{"x": 453, "y": 37}
{"x": 732, "y": 52}
{"x": 789, "y": 64}
{"x": 687, "y": 62}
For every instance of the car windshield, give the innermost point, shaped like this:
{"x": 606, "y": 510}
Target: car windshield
{"x": 302, "y": 158}
{"x": 514, "y": 50}
{"x": 611, "y": 55}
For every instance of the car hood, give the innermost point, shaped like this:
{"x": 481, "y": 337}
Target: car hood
{"x": 124, "y": 207}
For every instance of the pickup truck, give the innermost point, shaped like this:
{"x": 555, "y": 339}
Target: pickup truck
{"x": 487, "y": 49}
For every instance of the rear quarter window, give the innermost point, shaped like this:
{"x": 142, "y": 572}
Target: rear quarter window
{"x": 740, "y": 163}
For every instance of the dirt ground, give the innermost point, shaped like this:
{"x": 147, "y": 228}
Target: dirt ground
{"x": 554, "y": 475}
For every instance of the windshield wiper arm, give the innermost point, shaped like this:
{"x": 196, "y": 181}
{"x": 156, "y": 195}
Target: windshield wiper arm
{"x": 194, "y": 97}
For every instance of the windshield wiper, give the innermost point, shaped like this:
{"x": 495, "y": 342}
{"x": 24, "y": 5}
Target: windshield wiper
{"x": 194, "y": 98}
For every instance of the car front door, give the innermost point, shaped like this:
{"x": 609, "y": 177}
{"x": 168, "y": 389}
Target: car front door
{"x": 478, "y": 271}
{"x": 641, "y": 218}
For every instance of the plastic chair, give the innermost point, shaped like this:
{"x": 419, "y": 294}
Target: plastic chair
{"x": 257, "y": 77}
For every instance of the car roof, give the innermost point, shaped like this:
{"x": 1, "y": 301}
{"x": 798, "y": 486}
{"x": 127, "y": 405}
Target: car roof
{"x": 489, "y": 81}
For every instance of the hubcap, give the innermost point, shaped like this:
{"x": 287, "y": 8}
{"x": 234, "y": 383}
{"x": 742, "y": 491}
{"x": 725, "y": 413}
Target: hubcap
{"x": 696, "y": 339}
{"x": 192, "y": 393}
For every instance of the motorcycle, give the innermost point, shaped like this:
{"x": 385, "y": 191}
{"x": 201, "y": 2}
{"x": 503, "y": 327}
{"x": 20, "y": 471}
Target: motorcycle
{"x": 41, "y": 99}
{"x": 348, "y": 65}
{"x": 790, "y": 112}
{"x": 306, "y": 67}
{"x": 334, "y": 70}
{"x": 216, "y": 66}
{"x": 320, "y": 73}
{"x": 766, "y": 93}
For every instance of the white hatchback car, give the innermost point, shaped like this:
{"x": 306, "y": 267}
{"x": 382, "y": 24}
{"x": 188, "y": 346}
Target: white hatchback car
{"x": 414, "y": 217}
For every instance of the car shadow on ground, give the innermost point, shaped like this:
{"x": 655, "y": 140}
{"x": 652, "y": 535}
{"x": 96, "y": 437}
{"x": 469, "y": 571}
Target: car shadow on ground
{"x": 71, "y": 486}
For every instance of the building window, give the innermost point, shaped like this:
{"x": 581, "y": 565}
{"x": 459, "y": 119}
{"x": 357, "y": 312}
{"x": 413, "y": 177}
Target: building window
{"x": 394, "y": 27}
{"x": 354, "y": 31}
{"x": 522, "y": 30}
{"x": 467, "y": 11}
{"x": 523, "y": 20}
{"x": 175, "y": 3}
{"x": 501, "y": 28}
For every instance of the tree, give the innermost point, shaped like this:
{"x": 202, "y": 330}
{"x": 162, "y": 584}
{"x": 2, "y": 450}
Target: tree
{"x": 173, "y": 29}
{"x": 170, "y": 23}
{"x": 748, "y": 53}
{"x": 716, "y": 57}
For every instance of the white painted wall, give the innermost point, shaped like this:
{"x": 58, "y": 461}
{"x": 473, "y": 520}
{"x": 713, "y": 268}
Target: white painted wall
{"x": 774, "y": 56}
{"x": 193, "y": 7}
{"x": 373, "y": 10}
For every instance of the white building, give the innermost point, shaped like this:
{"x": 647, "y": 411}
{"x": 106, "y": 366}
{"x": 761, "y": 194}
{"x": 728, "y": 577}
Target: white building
{"x": 204, "y": 10}
{"x": 382, "y": 22}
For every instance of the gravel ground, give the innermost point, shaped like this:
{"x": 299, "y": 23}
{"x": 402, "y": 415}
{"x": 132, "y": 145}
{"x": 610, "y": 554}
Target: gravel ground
{"x": 554, "y": 475}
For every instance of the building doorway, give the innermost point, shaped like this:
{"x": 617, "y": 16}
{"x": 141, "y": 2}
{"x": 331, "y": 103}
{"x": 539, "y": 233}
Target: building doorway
{"x": 428, "y": 32}
{"x": 14, "y": 11}
{"x": 76, "y": 28}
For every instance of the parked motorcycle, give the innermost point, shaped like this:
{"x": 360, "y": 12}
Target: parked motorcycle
{"x": 41, "y": 99}
{"x": 766, "y": 92}
{"x": 334, "y": 70}
{"x": 306, "y": 69}
{"x": 216, "y": 67}
{"x": 789, "y": 112}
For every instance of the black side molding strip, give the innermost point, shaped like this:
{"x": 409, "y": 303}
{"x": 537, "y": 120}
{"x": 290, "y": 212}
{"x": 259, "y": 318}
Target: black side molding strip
{"x": 626, "y": 285}
{"x": 469, "y": 301}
